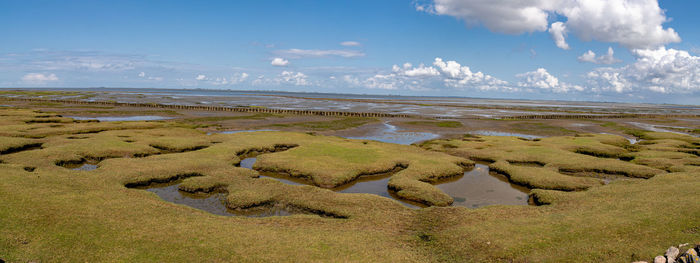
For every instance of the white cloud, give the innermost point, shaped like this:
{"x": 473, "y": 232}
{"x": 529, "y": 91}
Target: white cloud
{"x": 294, "y": 78}
{"x": 632, "y": 23}
{"x": 448, "y": 74}
{"x": 458, "y": 76}
{"x": 559, "y": 31}
{"x": 39, "y": 78}
{"x": 380, "y": 81}
{"x": 608, "y": 58}
{"x": 243, "y": 76}
{"x": 659, "y": 70}
{"x": 540, "y": 79}
{"x": 502, "y": 16}
{"x": 301, "y": 53}
{"x": 420, "y": 71}
{"x": 350, "y": 43}
{"x": 143, "y": 75}
{"x": 279, "y": 62}
{"x": 222, "y": 81}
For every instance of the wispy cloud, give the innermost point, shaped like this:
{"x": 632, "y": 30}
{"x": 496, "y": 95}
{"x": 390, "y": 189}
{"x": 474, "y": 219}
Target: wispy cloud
{"x": 305, "y": 53}
{"x": 39, "y": 78}
{"x": 350, "y": 44}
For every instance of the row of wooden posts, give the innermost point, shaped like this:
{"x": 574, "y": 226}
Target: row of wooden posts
{"x": 342, "y": 113}
{"x": 220, "y": 108}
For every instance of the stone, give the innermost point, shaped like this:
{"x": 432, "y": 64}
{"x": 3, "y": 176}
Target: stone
{"x": 671, "y": 254}
{"x": 660, "y": 259}
{"x": 690, "y": 256}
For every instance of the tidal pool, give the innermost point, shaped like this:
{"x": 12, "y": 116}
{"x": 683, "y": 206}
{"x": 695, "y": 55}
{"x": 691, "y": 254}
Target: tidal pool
{"x": 122, "y": 118}
{"x": 85, "y": 167}
{"x": 389, "y": 133}
{"x": 477, "y": 187}
{"x": 659, "y": 128}
{"x": 214, "y": 203}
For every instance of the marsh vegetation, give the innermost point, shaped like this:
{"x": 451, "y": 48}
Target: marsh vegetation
{"x": 166, "y": 190}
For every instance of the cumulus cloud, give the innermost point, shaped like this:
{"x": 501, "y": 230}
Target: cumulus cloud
{"x": 350, "y": 44}
{"x": 420, "y": 71}
{"x": 541, "y": 80}
{"x": 294, "y": 78}
{"x": 39, "y": 78}
{"x": 458, "y": 76}
{"x": 558, "y": 31}
{"x": 608, "y": 58}
{"x": 450, "y": 74}
{"x": 201, "y": 77}
{"x": 279, "y": 62}
{"x": 658, "y": 70}
{"x": 632, "y": 23}
{"x": 302, "y": 53}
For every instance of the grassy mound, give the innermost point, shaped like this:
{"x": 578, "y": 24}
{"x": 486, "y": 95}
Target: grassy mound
{"x": 52, "y": 214}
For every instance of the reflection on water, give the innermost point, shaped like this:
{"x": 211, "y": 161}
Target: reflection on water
{"x": 214, "y": 203}
{"x": 122, "y": 118}
{"x": 496, "y": 133}
{"x": 85, "y": 167}
{"x": 390, "y": 134}
{"x": 475, "y": 188}
{"x": 478, "y": 187}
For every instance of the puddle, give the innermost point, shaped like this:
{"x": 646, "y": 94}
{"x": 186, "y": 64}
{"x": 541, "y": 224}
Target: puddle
{"x": 214, "y": 203}
{"x": 122, "y": 118}
{"x": 496, "y": 133}
{"x": 390, "y": 134}
{"x": 476, "y": 188}
{"x": 659, "y": 128}
{"x": 85, "y": 167}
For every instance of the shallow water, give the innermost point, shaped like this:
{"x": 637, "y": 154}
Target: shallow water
{"x": 122, "y": 118}
{"x": 478, "y": 187}
{"x": 496, "y": 133}
{"x": 475, "y": 188}
{"x": 85, "y": 167}
{"x": 389, "y": 133}
{"x": 659, "y": 128}
{"x": 214, "y": 203}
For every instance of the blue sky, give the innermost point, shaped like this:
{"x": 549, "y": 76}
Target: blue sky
{"x": 472, "y": 48}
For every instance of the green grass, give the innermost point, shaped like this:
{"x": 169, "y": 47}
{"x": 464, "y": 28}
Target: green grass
{"x": 539, "y": 128}
{"x": 339, "y": 124}
{"x": 54, "y": 214}
{"x": 582, "y": 155}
